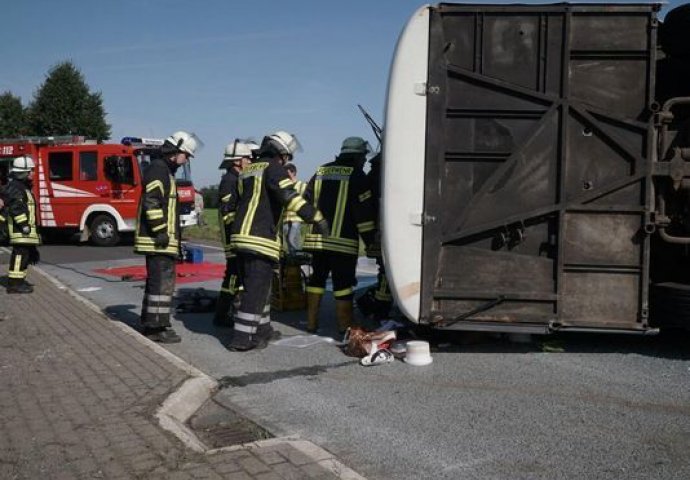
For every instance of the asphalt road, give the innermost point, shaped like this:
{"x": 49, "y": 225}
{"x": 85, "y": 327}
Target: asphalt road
{"x": 605, "y": 407}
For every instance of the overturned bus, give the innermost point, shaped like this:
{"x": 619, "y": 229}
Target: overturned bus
{"x": 536, "y": 168}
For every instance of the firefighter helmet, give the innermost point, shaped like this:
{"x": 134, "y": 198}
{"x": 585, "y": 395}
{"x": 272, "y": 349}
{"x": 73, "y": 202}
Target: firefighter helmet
{"x": 185, "y": 142}
{"x": 23, "y": 164}
{"x": 355, "y": 145}
{"x": 239, "y": 149}
{"x": 285, "y": 143}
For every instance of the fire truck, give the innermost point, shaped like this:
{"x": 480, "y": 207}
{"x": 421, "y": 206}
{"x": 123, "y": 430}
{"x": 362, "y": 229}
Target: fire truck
{"x": 90, "y": 188}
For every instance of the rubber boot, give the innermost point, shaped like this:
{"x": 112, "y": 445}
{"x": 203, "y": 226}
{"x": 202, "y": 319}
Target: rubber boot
{"x": 16, "y": 285}
{"x": 343, "y": 312}
{"x": 241, "y": 342}
{"x": 224, "y": 306}
{"x": 162, "y": 335}
{"x": 313, "y": 302}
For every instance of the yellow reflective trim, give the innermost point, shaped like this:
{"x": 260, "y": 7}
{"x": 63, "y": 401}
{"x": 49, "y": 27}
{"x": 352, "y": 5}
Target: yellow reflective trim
{"x": 155, "y": 184}
{"x": 154, "y": 214}
{"x": 286, "y": 182}
{"x": 340, "y": 209}
{"x": 317, "y": 290}
{"x": 365, "y": 196}
{"x": 172, "y": 204}
{"x": 366, "y": 226}
{"x": 317, "y": 191}
{"x": 229, "y": 218}
{"x": 343, "y": 292}
{"x": 21, "y": 218}
{"x": 300, "y": 187}
{"x": 296, "y": 203}
{"x": 253, "y": 204}
{"x": 226, "y": 198}
{"x": 158, "y": 227}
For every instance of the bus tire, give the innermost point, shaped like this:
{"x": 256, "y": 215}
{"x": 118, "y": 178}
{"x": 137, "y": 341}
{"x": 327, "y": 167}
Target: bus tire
{"x": 103, "y": 230}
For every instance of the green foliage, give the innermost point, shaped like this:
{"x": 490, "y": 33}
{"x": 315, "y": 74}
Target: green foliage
{"x": 210, "y": 195}
{"x": 64, "y": 105}
{"x": 209, "y": 230}
{"x": 12, "y": 116}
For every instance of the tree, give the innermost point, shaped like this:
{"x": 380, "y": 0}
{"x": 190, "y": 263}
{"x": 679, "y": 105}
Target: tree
{"x": 64, "y": 105}
{"x": 12, "y": 116}
{"x": 210, "y": 195}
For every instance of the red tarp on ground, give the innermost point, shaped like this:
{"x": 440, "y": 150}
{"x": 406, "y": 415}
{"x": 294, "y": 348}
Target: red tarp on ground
{"x": 186, "y": 272}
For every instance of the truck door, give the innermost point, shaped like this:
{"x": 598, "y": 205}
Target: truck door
{"x": 124, "y": 184}
{"x": 537, "y": 151}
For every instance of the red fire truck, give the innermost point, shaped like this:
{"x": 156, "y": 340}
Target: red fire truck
{"x": 91, "y": 188}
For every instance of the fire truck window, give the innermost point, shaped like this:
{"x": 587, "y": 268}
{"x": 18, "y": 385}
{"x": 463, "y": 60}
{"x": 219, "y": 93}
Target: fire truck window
{"x": 88, "y": 166}
{"x": 60, "y": 165}
{"x": 119, "y": 169}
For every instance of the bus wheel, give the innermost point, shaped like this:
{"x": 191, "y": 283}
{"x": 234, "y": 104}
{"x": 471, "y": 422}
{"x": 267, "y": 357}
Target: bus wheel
{"x": 103, "y": 230}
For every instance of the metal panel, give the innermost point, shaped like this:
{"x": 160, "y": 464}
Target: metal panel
{"x": 536, "y": 184}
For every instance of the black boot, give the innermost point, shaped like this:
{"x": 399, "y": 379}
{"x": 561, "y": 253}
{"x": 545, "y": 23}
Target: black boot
{"x": 162, "y": 335}
{"x": 16, "y": 285}
{"x": 264, "y": 334}
{"x": 224, "y": 311}
{"x": 241, "y": 342}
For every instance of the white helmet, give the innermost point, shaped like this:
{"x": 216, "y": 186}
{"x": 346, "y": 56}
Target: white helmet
{"x": 239, "y": 149}
{"x": 185, "y": 142}
{"x": 23, "y": 164}
{"x": 285, "y": 143}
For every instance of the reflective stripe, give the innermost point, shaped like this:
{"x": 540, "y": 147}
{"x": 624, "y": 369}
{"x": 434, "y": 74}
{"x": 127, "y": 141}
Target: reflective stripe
{"x": 250, "y": 329}
{"x": 162, "y": 226}
{"x": 21, "y": 218}
{"x": 365, "y": 196}
{"x": 343, "y": 292}
{"x": 155, "y": 184}
{"x": 317, "y": 290}
{"x": 264, "y": 320}
{"x": 249, "y": 317}
{"x": 157, "y": 310}
{"x": 229, "y": 218}
{"x": 226, "y": 198}
{"x": 159, "y": 298}
{"x": 284, "y": 183}
{"x": 296, "y": 203}
{"x": 366, "y": 226}
{"x": 154, "y": 214}
{"x": 340, "y": 209}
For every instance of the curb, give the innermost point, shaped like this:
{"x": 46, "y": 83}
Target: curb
{"x": 179, "y": 407}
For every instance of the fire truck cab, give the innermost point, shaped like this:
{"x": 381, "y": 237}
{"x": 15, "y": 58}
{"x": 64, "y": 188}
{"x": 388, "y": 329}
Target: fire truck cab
{"x": 86, "y": 187}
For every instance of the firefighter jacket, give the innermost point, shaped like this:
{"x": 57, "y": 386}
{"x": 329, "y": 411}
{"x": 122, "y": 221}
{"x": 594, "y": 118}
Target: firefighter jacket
{"x": 158, "y": 211}
{"x": 341, "y": 192}
{"x": 265, "y": 190}
{"x": 227, "y": 207}
{"x": 290, "y": 216}
{"x": 21, "y": 212}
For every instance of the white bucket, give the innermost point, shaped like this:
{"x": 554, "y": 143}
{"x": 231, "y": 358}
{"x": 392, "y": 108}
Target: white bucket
{"x": 418, "y": 353}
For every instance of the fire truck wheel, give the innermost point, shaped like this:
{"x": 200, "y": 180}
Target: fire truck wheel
{"x": 103, "y": 230}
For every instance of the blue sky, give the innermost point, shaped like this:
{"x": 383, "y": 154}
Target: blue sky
{"x": 220, "y": 68}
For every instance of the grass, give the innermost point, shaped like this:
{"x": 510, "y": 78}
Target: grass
{"x": 208, "y": 231}
{"x": 211, "y": 231}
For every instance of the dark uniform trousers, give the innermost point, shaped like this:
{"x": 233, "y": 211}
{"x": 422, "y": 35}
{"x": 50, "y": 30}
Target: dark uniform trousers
{"x": 254, "y": 314}
{"x": 160, "y": 284}
{"x": 341, "y": 266}
{"x": 19, "y": 261}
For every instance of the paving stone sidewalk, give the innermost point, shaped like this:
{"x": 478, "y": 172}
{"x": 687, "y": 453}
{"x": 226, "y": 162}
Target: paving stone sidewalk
{"x": 78, "y": 397}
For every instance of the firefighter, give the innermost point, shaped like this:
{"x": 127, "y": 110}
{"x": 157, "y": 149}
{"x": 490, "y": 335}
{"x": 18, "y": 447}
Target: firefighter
{"x": 237, "y": 156}
{"x": 21, "y": 219}
{"x": 292, "y": 223}
{"x": 378, "y": 300}
{"x": 340, "y": 190}
{"x": 265, "y": 190}
{"x": 158, "y": 234}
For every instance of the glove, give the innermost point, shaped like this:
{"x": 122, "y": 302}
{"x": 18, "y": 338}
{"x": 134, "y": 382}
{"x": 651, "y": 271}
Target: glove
{"x": 322, "y": 228}
{"x": 162, "y": 240}
{"x": 26, "y": 230}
